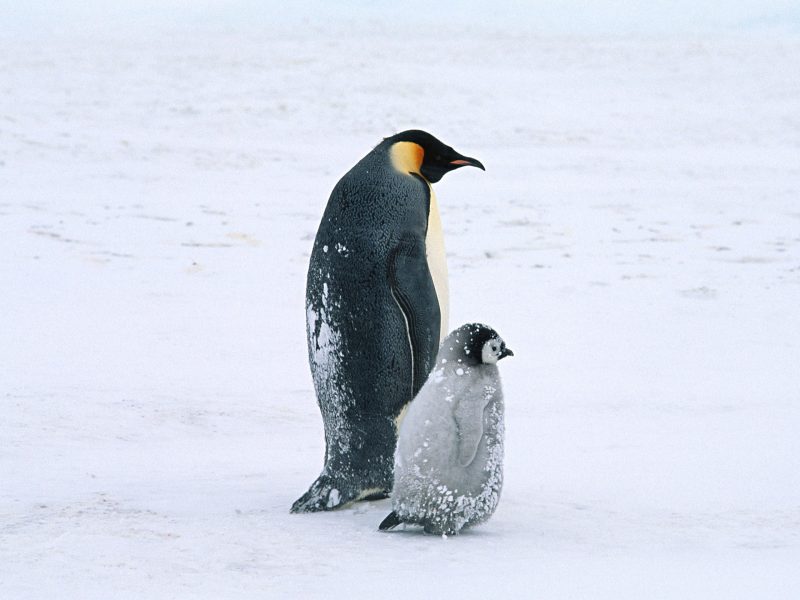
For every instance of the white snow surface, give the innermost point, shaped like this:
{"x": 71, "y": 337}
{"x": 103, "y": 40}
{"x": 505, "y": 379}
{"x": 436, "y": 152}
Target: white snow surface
{"x": 635, "y": 240}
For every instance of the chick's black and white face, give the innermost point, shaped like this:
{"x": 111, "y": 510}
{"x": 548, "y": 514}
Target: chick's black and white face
{"x": 493, "y": 350}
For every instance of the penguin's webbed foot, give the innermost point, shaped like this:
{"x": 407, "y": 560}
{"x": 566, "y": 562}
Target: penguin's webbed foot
{"x": 390, "y": 522}
{"x": 322, "y": 495}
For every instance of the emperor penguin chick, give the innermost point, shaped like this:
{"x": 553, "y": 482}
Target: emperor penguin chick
{"x": 448, "y": 466}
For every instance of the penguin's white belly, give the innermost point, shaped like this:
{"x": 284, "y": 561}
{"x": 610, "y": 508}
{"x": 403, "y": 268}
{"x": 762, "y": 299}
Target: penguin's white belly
{"x": 437, "y": 263}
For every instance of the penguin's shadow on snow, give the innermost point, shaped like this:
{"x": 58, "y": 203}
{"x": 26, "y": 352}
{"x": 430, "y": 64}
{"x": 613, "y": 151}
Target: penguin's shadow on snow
{"x": 416, "y": 532}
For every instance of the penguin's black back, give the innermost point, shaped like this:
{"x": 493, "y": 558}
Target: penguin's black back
{"x": 376, "y": 219}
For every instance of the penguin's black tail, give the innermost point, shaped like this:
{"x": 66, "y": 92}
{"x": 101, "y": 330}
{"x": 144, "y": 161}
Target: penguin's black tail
{"x": 390, "y": 522}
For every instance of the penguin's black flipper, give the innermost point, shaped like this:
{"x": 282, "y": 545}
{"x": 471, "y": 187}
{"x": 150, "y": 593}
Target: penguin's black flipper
{"x": 413, "y": 289}
{"x": 390, "y": 522}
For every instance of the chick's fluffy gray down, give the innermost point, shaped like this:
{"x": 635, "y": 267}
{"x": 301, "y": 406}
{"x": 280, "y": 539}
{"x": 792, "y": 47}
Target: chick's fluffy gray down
{"x": 449, "y": 458}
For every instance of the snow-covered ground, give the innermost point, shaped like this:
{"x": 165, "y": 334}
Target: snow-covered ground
{"x": 635, "y": 239}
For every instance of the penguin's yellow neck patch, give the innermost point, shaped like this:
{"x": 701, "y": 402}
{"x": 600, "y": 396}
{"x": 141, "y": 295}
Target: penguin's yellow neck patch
{"x": 406, "y": 157}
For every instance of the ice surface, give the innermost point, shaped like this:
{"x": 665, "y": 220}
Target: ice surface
{"x": 636, "y": 239}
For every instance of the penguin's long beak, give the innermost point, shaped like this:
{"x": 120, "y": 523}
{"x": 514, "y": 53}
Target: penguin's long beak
{"x": 463, "y": 161}
{"x": 506, "y": 352}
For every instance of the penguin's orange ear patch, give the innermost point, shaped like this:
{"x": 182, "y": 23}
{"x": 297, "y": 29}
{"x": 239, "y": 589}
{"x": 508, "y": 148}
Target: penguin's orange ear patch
{"x": 407, "y": 157}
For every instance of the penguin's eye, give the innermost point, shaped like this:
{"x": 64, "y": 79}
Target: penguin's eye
{"x": 438, "y": 157}
{"x": 494, "y": 347}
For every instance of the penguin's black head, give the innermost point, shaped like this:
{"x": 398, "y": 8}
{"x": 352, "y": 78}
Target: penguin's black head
{"x": 475, "y": 344}
{"x": 435, "y": 158}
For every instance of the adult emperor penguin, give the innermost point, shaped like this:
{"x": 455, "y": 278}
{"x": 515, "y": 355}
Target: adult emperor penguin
{"x": 448, "y": 468}
{"x": 376, "y": 304}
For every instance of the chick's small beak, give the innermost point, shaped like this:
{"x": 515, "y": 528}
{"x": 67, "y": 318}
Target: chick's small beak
{"x": 464, "y": 161}
{"x": 506, "y": 352}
